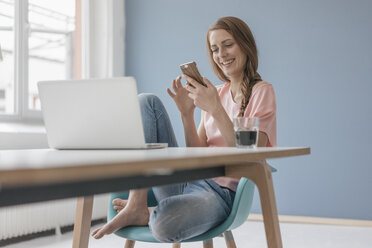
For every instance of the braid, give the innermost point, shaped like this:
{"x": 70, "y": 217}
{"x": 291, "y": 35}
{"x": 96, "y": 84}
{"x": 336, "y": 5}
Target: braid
{"x": 250, "y": 78}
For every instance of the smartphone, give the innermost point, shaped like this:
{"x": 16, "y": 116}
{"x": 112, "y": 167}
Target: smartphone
{"x": 191, "y": 70}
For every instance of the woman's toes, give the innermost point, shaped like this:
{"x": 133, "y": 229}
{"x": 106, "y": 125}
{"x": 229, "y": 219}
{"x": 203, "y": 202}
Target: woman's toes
{"x": 102, "y": 231}
{"x": 99, "y": 235}
{"x": 119, "y": 202}
{"x": 118, "y": 208}
{"x": 96, "y": 231}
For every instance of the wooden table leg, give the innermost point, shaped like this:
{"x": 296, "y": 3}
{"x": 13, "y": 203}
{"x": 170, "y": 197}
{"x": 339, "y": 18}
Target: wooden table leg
{"x": 260, "y": 174}
{"x": 84, "y": 207}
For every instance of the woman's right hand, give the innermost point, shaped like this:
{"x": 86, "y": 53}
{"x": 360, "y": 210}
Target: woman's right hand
{"x": 180, "y": 96}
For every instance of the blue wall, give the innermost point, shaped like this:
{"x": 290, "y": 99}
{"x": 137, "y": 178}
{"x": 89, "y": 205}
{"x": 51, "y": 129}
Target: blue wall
{"x": 318, "y": 56}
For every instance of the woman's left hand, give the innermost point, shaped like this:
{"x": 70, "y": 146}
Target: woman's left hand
{"x": 206, "y": 98}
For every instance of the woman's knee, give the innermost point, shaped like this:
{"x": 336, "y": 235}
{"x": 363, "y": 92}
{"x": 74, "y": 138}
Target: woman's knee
{"x": 146, "y": 99}
{"x": 173, "y": 220}
{"x": 165, "y": 227}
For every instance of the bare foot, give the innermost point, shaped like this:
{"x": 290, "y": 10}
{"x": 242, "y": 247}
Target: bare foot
{"x": 127, "y": 217}
{"x": 119, "y": 204}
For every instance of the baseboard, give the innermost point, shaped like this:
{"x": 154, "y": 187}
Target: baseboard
{"x": 50, "y": 232}
{"x": 315, "y": 220}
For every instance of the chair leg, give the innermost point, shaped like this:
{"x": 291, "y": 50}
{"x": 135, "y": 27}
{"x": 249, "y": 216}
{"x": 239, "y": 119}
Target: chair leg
{"x": 229, "y": 239}
{"x": 129, "y": 243}
{"x": 176, "y": 245}
{"x": 208, "y": 243}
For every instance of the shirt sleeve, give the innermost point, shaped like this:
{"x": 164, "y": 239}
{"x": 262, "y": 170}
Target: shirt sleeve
{"x": 263, "y": 105}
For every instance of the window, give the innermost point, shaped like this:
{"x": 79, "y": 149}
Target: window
{"x": 7, "y": 65}
{"x": 36, "y": 38}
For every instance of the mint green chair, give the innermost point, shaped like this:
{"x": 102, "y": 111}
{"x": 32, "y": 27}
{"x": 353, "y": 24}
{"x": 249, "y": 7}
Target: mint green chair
{"x": 239, "y": 214}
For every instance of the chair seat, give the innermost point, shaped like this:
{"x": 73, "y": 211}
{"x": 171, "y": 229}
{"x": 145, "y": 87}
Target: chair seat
{"x": 143, "y": 233}
{"x": 138, "y": 233}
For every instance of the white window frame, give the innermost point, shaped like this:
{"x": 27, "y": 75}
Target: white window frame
{"x": 21, "y": 61}
{"x": 20, "y": 69}
{"x": 112, "y": 11}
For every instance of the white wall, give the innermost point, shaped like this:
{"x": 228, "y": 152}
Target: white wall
{"x": 22, "y": 140}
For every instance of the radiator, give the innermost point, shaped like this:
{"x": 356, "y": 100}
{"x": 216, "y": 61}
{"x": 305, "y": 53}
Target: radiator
{"x": 21, "y": 220}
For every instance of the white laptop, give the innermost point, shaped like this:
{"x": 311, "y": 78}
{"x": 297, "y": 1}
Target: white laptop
{"x": 93, "y": 114}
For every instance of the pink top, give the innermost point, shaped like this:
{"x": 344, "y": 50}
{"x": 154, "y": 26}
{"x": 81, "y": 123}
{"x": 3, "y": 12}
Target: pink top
{"x": 262, "y": 105}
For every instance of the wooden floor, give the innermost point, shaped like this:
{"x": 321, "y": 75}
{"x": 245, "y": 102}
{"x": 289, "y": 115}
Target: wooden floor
{"x": 251, "y": 234}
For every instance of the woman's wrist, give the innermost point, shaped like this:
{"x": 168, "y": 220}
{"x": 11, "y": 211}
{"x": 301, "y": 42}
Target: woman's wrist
{"x": 217, "y": 110}
{"x": 187, "y": 115}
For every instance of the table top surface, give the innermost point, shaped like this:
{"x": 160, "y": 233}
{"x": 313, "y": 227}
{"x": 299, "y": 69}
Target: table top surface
{"x": 48, "y": 165}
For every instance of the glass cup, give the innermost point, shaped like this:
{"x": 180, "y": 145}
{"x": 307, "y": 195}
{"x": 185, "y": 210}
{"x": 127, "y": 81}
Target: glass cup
{"x": 246, "y": 131}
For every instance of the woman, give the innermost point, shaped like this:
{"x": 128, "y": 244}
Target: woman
{"x": 190, "y": 209}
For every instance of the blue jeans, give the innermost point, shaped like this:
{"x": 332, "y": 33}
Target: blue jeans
{"x": 188, "y": 209}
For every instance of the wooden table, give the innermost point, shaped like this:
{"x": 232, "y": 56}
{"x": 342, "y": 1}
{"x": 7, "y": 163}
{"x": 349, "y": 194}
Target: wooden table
{"x": 43, "y": 174}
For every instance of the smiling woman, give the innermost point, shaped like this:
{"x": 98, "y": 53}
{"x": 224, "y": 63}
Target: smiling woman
{"x": 235, "y": 60}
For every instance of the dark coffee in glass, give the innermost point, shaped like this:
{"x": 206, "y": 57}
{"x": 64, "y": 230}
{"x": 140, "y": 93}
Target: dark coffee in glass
{"x": 246, "y": 138}
{"x": 246, "y": 131}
